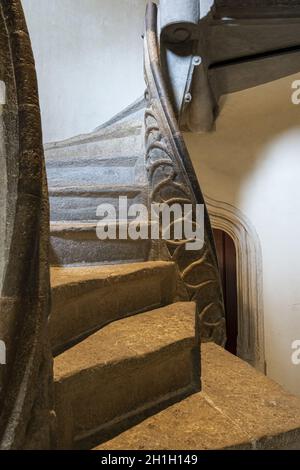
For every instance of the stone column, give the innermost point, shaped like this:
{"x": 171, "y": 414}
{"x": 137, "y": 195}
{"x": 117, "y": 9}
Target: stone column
{"x": 26, "y": 418}
{"x": 3, "y": 182}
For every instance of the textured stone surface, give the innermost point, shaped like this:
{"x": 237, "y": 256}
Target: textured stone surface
{"x": 101, "y": 142}
{"x": 87, "y": 298}
{"x": 255, "y": 403}
{"x": 26, "y": 420}
{"x": 238, "y": 408}
{"x": 125, "y": 371}
{"x": 92, "y": 169}
{"x": 80, "y": 203}
{"x": 77, "y": 244}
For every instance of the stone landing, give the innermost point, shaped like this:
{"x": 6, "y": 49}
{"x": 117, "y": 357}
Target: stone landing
{"x": 239, "y": 408}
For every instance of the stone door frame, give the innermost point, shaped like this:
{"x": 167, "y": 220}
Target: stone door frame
{"x": 250, "y": 344}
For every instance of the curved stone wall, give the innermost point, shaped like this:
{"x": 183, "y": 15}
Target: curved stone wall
{"x": 25, "y": 378}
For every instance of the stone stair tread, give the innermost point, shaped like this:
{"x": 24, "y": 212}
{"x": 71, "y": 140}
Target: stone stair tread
{"x": 127, "y": 122}
{"x": 87, "y": 171}
{"x": 62, "y": 276}
{"x": 75, "y": 243}
{"x": 238, "y": 408}
{"x": 119, "y": 143}
{"x": 59, "y": 226}
{"x": 117, "y": 132}
{"x": 61, "y": 160}
{"x": 129, "y": 338}
{"x": 84, "y": 299}
{"x": 97, "y": 189}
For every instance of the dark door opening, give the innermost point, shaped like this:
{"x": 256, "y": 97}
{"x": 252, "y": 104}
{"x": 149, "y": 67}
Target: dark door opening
{"x": 227, "y": 264}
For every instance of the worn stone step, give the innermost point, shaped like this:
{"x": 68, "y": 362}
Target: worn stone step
{"x": 90, "y": 175}
{"x": 122, "y": 133}
{"x": 91, "y": 172}
{"x": 118, "y": 143}
{"x": 80, "y": 202}
{"x": 124, "y": 372}
{"x": 76, "y": 244}
{"x": 128, "y": 117}
{"x": 238, "y": 408}
{"x": 94, "y": 161}
{"x": 84, "y": 299}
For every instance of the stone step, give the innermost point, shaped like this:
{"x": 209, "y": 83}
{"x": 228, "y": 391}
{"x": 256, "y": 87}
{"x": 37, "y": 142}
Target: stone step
{"x": 80, "y": 203}
{"x": 125, "y": 372}
{"x": 90, "y": 176}
{"x": 95, "y": 161}
{"x": 238, "y": 408}
{"x": 123, "y": 132}
{"x": 85, "y": 299}
{"x": 76, "y": 244}
{"x": 95, "y": 171}
{"x": 91, "y": 145}
{"x": 128, "y": 117}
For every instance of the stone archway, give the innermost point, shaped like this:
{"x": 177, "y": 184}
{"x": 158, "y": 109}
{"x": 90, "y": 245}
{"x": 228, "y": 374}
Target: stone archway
{"x": 250, "y": 346}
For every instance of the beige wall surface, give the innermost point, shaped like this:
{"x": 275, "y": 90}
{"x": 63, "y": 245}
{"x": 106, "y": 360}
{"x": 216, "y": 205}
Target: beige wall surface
{"x": 252, "y": 161}
{"x": 89, "y": 60}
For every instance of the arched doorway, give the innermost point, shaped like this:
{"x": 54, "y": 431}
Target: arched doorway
{"x": 227, "y": 264}
{"x": 250, "y": 340}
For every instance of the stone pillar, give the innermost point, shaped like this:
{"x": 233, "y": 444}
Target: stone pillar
{"x": 26, "y": 418}
{"x": 3, "y": 182}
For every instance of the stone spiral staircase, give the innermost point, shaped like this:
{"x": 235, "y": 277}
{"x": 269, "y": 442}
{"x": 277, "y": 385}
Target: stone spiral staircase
{"x": 125, "y": 316}
{"x": 94, "y": 169}
{"x": 124, "y": 348}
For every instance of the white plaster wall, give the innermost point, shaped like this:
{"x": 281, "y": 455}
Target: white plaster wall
{"x": 252, "y": 161}
{"x": 89, "y": 60}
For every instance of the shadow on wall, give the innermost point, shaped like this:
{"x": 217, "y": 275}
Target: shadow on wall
{"x": 252, "y": 162}
{"x": 249, "y": 122}
{"x": 271, "y": 198}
